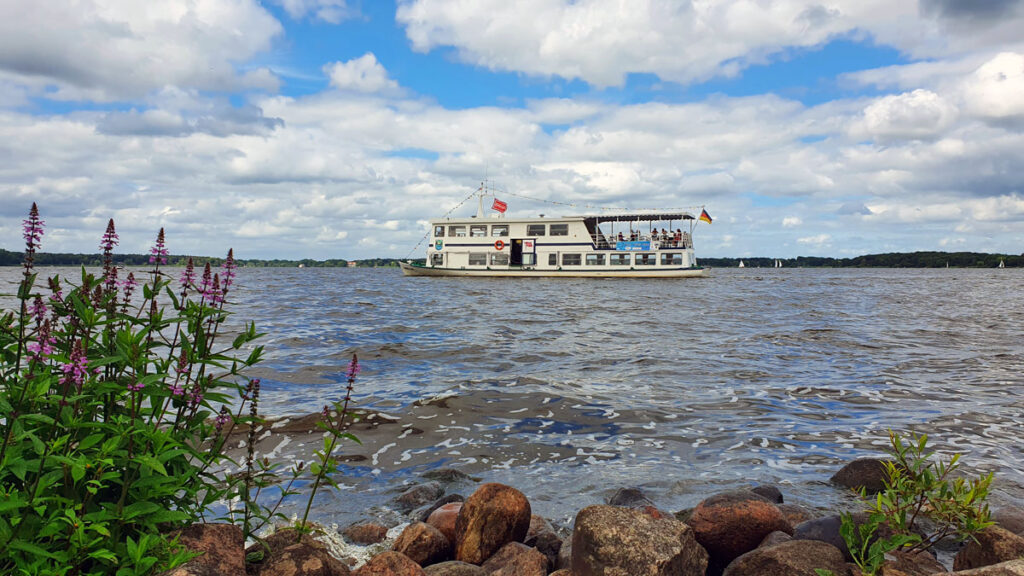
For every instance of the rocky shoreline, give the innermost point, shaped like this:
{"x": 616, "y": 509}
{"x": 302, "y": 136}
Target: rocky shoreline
{"x": 496, "y": 532}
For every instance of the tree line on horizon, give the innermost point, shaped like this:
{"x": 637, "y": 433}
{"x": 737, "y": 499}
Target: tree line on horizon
{"x": 888, "y": 260}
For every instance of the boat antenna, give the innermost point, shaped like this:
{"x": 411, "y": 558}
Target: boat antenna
{"x": 456, "y": 207}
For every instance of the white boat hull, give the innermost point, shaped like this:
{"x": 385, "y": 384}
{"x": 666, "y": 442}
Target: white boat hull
{"x": 415, "y": 270}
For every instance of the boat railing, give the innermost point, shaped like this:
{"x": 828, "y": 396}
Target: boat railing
{"x": 658, "y": 241}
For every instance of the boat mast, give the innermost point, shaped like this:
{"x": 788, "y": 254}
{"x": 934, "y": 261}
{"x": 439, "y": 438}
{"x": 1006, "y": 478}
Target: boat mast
{"x": 480, "y": 198}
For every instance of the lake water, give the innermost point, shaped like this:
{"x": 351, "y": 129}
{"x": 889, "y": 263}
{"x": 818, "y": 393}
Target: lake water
{"x": 571, "y": 388}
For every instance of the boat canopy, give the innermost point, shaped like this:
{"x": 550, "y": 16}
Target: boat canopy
{"x": 639, "y": 217}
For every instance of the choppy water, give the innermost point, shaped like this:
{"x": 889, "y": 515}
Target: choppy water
{"x": 570, "y": 388}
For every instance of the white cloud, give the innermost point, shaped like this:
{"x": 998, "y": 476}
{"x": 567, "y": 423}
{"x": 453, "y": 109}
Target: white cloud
{"x": 996, "y": 89}
{"x": 819, "y": 241}
{"x": 363, "y": 74}
{"x": 331, "y": 11}
{"x": 791, "y": 222}
{"x": 917, "y": 114}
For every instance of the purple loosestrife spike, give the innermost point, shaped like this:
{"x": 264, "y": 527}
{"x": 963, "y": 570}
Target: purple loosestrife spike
{"x": 216, "y": 296}
{"x": 128, "y": 286}
{"x": 207, "y": 281}
{"x": 137, "y": 386}
{"x": 38, "y": 310}
{"x": 188, "y": 277}
{"x": 55, "y": 288}
{"x": 353, "y": 368}
{"x": 158, "y": 254}
{"x": 326, "y": 413}
{"x": 43, "y": 346}
{"x": 222, "y": 418}
{"x": 110, "y": 238}
{"x": 33, "y": 229}
{"x": 229, "y": 270}
{"x": 77, "y": 368}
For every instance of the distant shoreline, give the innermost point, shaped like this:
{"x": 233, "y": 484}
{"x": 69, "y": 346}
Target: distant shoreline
{"x": 888, "y": 260}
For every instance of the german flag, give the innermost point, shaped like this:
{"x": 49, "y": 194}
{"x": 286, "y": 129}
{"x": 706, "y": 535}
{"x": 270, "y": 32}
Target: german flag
{"x": 704, "y": 217}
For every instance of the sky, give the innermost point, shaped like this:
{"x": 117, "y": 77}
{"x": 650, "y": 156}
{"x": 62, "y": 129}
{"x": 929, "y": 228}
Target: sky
{"x": 337, "y": 128}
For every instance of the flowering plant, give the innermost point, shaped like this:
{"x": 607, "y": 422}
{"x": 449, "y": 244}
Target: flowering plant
{"x": 112, "y": 413}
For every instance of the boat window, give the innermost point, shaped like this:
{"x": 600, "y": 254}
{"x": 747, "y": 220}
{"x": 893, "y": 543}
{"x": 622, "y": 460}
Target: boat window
{"x": 535, "y": 230}
{"x": 478, "y": 259}
{"x": 618, "y": 259}
{"x": 499, "y": 230}
{"x": 478, "y": 231}
{"x": 457, "y": 231}
{"x": 672, "y": 259}
{"x": 559, "y": 229}
{"x": 552, "y": 259}
{"x": 646, "y": 259}
{"x": 438, "y": 230}
{"x": 436, "y": 259}
{"x": 529, "y": 259}
{"x": 499, "y": 259}
{"x": 570, "y": 259}
{"x": 595, "y": 259}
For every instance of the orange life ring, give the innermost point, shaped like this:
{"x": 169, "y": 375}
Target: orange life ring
{"x": 498, "y": 244}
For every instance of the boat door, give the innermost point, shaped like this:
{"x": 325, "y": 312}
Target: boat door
{"x": 516, "y": 253}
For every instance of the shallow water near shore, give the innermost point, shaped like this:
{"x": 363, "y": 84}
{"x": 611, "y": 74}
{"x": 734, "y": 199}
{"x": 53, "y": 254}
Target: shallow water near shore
{"x": 570, "y": 388}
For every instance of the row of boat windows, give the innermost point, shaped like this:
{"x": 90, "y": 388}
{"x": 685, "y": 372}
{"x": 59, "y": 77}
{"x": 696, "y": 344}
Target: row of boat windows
{"x": 500, "y": 230}
{"x": 634, "y": 259}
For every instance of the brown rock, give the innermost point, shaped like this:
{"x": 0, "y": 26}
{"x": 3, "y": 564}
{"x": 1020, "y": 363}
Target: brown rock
{"x": 418, "y": 496}
{"x": 454, "y": 568}
{"x": 793, "y": 558}
{"x": 795, "y": 513}
{"x": 611, "y": 540}
{"x": 1011, "y": 568}
{"x": 564, "y": 556}
{"x": 515, "y": 559}
{"x": 630, "y": 498}
{"x": 1011, "y": 518}
{"x": 548, "y": 544}
{"x": 771, "y": 493}
{"x": 734, "y": 523}
{"x": 774, "y": 538}
{"x": 423, "y": 544}
{"x": 390, "y": 564}
{"x": 992, "y": 545}
{"x": 867, "y": 473}
{"x": 444, "y": 519}
{"x": 222, "y": 547}
{"x": 491, "y": 517}
{"x": 918, "y": 563}
{"x": 303, "y": 560}
{"x": 562, "y": 572}
{"x": 365, "y": 533}
{"x": 537, "y": 525}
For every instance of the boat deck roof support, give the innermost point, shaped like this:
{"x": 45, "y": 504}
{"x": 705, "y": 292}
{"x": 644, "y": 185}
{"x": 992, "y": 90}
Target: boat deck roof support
{"x": 653, "y": 217}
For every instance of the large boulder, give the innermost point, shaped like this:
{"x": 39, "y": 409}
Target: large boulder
{"x": 423, "y": 544}
{"x": 454, "y": 568}
{"x": 515, "y": 559}
{"x": 221, "y": 548}
{"x": 795, "y": 513}
{"x": 390, "y": 564}
{"x": 734, "y": 523}
{"x": 612, "y": 540}
{"x": 630, "y": 498}
{"x": 992, "y": 545}
{"x": 824, "y": 529}
{"x": 303, "y": 559}
{"x": 769, "y": 492}
{"x": 1011, "y": 568}
{"x": 491, "y": 517}
{"x": 866, "y": 473}
{"x": 418, "y": 495}
{"x": 1011, "y": 518}
{"x": 444, "y": 519}
{"x": 365, "y": 533}
{"x": 793, "y": 558}
{"x": 920, "y": 563}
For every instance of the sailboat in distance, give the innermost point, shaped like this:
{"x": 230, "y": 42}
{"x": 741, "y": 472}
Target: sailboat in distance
{"x": 742, "y": 265}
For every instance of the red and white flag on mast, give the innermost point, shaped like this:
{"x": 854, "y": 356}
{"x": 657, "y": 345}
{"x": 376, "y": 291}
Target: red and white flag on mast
{"x": 499, "y": 206}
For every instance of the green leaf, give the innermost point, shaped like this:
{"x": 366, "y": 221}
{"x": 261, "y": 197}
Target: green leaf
{"x": 139, "y": 509}
{"x": 30, "y": 548}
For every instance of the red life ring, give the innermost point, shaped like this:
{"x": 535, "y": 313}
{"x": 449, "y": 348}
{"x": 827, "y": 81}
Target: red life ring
{"x": 498, "y": 244}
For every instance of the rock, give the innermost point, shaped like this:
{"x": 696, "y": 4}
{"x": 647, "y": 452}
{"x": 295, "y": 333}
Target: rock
{"x": 795, "y": 513}
{"x": 537, "y": 525}
{"x": 774, "y": 538}
{"x": 390, "y": 564}
{"x": 867, "y": 473}
{"x": 515, "y": 559}
{"x": 418, "y": 495}
{"x": 423, "y": 544}
{"x": 365, "y": 533}
{"x": 734, "y": 523}
{"x": 919, "y": 563}
{"x": 222, "y": 547}
{"x": 491, "y": 517}
{"x": 1011, "y": 568}
{"x": 421, "y": 514}
{"x": 773, "y": 494}
{"x": 548, "y": 544}
{"x": 303, "y": 559}
{"x": 444, "y": 519}
{"x": 992, "y": 545}
{"x": 562, "y": 572}
{"x": 454, "y": 568}
{"x": 825, "y": 529}
{"x": 564, "y": 555}
{"x": 1010, "y": 518}
{"x": 684, "y": 514}
{"x": 448, "y": 476}
{"x": 613, "y": 540}
{"x": 630, "y": 498}
{"x": 793, "y": 558}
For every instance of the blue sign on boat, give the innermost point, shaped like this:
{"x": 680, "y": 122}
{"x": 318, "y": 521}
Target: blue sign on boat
{"x": 633, "y": 246}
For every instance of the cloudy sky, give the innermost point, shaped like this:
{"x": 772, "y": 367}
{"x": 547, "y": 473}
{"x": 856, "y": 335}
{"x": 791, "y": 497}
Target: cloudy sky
{"x": 337, "y": 128}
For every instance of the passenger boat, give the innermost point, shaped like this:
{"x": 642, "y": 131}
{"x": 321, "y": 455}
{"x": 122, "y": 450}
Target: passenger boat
{"x": 635, "y": 244}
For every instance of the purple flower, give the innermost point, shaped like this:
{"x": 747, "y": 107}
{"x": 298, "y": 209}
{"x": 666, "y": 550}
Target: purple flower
{"x": 188, "y": 277}
{"x": 216, "y": 296}
{"x": 135, "y": 387}
{"x": 33, "y": 229}
{"x": 128, "y": 286}
{"x": 158, "y": 252}
{"x": 222, "y": 418}
{"x": 43, "y": 347}
{"x": 196, "y": 395}
{"x": 38, "y": 310}
{"x": 77, "y": 368}
{"x": 207, "y": 282}
{"x": 353, "y": 368}
{"x": 229, "y": 270}
{"x": 109, "y": 238}
{"x": 176, "y": 389}
{"x": 58, "y": 295}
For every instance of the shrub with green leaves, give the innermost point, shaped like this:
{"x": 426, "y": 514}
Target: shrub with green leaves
{"x": 112, "y": 413}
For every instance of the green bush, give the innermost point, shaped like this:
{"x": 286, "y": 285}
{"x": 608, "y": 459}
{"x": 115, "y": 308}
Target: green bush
{"x": 110, "y": 434}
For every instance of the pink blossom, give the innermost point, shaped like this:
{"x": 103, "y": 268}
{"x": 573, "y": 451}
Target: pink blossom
{"x": 38, "y": 310}
{"x": 158, "y": 254}
{"x": 76, "y": 369}
{"x": 353, "y": 368}
{"x": 33, "y": 228}
{"x": 110, "y": 238}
